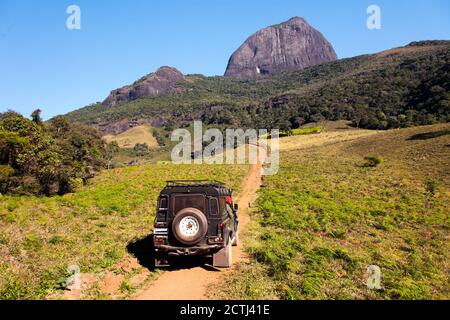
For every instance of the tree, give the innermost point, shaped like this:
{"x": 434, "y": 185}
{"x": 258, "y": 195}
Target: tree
{"x": 60, "y": 125}
{"x": 10, "y": 142}
{"x": 36, "y": 116}
{"x": 286, "y": 127}
{"x": 112, "y": 149}
{"x": 46, "y": 159}
{"x": 141, "y": 149}
{"x": 318, "y": 118}
{"x": 297, "y": 122}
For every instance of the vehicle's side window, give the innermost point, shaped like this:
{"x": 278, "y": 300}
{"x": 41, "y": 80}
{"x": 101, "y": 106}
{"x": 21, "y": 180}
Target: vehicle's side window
{"x": 214, "y": 206}
{"x": 222, "y": 202}
{"x": 163, "y": 203}
{"x": 222, "y": 207}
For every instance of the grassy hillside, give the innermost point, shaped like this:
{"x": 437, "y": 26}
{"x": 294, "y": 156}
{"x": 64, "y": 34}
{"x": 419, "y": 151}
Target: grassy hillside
{"x": 41, "y": 237}
{"x": 128, "y": 139}
{"x": 330, "y": 213}
{"x": 395, "y": 88}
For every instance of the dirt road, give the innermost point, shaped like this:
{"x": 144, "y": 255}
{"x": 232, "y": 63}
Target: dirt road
{"x": 192, "y": 283}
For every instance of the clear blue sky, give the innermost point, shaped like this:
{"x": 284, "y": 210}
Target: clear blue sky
{"x": 45, "y": 65}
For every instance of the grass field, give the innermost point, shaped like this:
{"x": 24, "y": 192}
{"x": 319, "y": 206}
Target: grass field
{"x": 319, "y": 140}
{"x": 128, "y": 139}
{"x": 41, "y": 237}
{"x": 329, "y": 214}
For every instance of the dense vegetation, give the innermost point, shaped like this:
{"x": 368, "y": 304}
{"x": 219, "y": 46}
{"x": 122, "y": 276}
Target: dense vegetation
{"x": 397, "y": 88}
{"x": 41, "y": 236}
{"x": 46, "y": 158}
{"x": 336, "y": 209}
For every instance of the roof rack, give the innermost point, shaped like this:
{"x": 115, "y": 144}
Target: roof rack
{"x": 183, "y": 183}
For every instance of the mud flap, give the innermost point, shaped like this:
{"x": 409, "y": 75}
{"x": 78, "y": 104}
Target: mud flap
{"x": 223, "y": 258}
{"x": 235, "y": 242}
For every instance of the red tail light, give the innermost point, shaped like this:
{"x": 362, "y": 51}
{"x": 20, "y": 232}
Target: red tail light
{"x": 159, "y": 241}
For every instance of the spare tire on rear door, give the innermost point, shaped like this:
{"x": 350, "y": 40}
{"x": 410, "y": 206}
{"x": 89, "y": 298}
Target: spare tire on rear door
{"x": 189, "y": 226}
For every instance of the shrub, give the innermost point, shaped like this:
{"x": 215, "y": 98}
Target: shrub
{"x": 430, "y": 187}
{"x": 14, "y": 290}
{"x": 141, "y": 149}
{"x": 372, "y": 161}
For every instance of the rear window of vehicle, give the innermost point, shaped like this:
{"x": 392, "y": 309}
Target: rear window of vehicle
{"x": 196, "y": 201}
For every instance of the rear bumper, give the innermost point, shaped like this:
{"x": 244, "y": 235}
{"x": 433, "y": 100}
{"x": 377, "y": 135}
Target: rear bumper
{"x": 188, "y": 251}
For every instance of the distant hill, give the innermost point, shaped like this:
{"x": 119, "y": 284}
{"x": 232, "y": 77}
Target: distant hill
{"x": 128, "y": 139}
{"x": 162, "y": 82}
{"x": 400, "y": 87}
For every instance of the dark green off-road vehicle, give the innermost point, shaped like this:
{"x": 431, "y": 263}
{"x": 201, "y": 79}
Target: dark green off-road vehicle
{"x": 195, "y": 218}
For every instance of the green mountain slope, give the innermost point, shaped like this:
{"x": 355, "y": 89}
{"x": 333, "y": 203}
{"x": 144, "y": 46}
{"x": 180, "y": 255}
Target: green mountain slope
{"x": 395, "y": 88}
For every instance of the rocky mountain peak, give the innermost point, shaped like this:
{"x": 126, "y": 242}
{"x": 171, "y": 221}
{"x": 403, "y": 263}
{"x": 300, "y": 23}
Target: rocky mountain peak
{"x": 168, "y": 72}
{"x": 165, "y": 80}
{"x": 295, "y": 21}
{"x": 289, "y": 46}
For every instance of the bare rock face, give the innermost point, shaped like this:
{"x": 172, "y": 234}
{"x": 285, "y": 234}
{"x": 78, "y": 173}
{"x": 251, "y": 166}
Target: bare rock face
{"x": 289, "y": 46}
{"x": 162, "y": 82}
